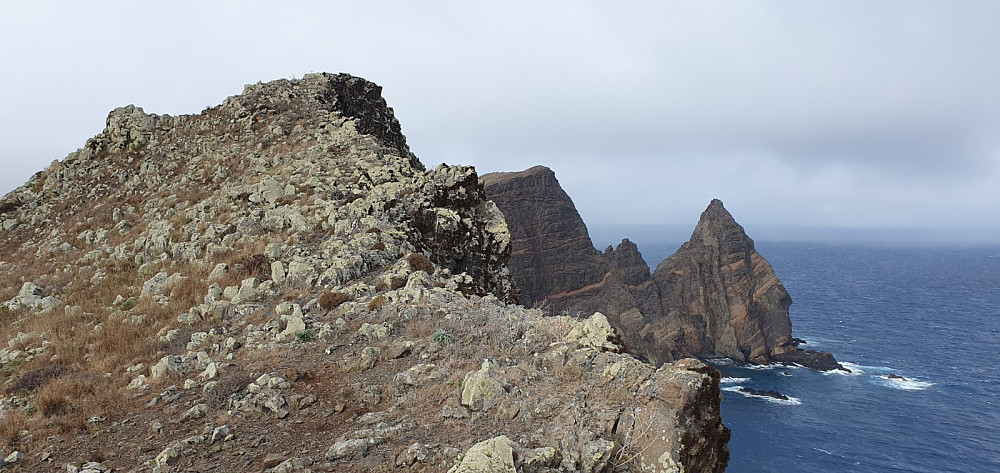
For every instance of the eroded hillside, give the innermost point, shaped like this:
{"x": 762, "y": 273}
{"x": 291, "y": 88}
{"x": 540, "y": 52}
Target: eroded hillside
{"x": 278, "y": 284}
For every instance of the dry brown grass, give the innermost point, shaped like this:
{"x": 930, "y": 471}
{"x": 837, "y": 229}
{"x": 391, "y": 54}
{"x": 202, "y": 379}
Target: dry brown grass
{"x": 332, "y": 300}
{"x": 377, "y": 302}
{"x": 419, "y": 262}
{"x": 68, "y": 401}
{"x": 11, "y": 425}
{"x": 36, "y": 378}
{"x": 231, "y": 382}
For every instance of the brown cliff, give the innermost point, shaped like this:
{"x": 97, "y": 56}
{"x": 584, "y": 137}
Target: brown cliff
{"x": 716, "y": 297}
{"x": 555, "y": 265}
{"x": 721, "y": 296}
{"x": 552, "y": 248}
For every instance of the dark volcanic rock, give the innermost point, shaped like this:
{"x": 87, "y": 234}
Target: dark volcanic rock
{"x": 554, "y": 264}
{"x": 766, "y": 393}
{"x": 717, "y": 296}
{"x": 817, "y": 360}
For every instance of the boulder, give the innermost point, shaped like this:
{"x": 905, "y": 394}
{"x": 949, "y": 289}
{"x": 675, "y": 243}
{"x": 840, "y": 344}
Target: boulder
{"x": 480, "y": 389}
{"x": 495, "y": 455}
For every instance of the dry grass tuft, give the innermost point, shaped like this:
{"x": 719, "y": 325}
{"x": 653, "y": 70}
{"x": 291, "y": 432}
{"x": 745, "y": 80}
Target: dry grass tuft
{"x": 76, "y": 395}
{"x": 36, "y": 378}
{"x": 377, "y": 302}
{"x": 230, "y": 383}
{"x": 11, "y": 425}
{"x": 255, "y": 265}
{"x": 331, "y": 300}
{"x": 419, "y": 262}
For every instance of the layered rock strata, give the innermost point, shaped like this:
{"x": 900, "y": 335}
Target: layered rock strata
{"x": 715, "y": 297}
{"x": 277, "y": 284}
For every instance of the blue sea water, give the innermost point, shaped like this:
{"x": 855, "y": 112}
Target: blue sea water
{"x": 929, "y": 314}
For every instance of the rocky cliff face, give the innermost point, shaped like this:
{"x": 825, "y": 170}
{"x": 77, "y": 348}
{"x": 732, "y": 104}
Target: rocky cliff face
{"x": 716, "y": 297}
{"x": 277, "y": 284}
{"x": 555, "y": 254}
{"x": 721, "y": 296}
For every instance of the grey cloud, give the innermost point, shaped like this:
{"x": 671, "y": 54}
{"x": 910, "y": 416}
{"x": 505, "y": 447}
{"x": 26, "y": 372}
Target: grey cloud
{"x": 791, "y": 111}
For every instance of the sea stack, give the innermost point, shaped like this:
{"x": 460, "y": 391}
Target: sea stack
{"x": 722, "y": 296}
{"x": 715, "y": 297}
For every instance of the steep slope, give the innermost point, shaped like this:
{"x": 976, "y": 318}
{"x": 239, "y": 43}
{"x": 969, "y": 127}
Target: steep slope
{"x": 277, "y": 284}
{"x": 716, "y": 297}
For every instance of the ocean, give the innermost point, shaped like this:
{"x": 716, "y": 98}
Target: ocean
{"x": 930, "y": 314}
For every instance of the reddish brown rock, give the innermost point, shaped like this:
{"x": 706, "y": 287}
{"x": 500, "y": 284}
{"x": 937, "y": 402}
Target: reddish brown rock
{"x": 716, "y": 297}
{"x": 719, "y": 296}
{"x": 549, "y": 241}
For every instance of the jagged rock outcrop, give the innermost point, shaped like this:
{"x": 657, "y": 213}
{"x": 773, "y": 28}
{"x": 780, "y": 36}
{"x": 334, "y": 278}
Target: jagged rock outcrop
{"x": 277, "y": 284}
{"x": 716, "y": 297}
{"x": 720, "y": 297}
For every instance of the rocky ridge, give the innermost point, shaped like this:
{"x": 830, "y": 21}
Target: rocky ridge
{"x": 278, "y": 284}
{"x": 715, "y": 297}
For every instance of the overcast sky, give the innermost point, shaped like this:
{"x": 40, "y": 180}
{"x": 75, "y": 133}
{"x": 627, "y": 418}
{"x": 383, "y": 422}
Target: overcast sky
{"x": 841, "y": 113}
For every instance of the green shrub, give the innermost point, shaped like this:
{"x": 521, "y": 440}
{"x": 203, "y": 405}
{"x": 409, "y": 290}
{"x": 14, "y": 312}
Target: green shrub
{"x": 129, "y": 303}
{"x": 443, "y": 337}
{"x": 304, "y": 335}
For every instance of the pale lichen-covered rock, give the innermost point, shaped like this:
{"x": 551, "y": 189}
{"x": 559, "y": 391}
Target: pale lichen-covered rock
{"x": 294, "y": 321}
{"x": 480, "y": 389}
{"x": 166, "y": 365}
{"x": 594, "y": 332}
{"x": 29, "y": 297}
{"x": 495, "y": 455}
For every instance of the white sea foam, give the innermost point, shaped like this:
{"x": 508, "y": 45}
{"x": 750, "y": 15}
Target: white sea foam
{"x": 880, "y": 376}
{"x": 791, "y": 401}
{"x": 856, "y": 370}
{"x": 906, "y": 384}
{"x": 729, "y": 380}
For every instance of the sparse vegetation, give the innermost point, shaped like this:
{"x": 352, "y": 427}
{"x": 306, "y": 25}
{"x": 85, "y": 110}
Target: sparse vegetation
{"x": 443, "y": 337}
{"x": 304, "y": 335}
{"x": 129, "y": 303}
{"x": 34, "y": 379}
{"x": 255, "y": 265}
{"x": 377, "y": 302}
{"x": 332, "y": 300}
{"x": 419, "y": 262}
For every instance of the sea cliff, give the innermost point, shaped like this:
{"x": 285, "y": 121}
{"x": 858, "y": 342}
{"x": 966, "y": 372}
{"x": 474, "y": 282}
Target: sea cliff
{"x": 716, "y": 297}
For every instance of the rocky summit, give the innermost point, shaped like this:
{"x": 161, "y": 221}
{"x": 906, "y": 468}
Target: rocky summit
{"x": 716, "y": 297}
{"x": 278, "y": 284}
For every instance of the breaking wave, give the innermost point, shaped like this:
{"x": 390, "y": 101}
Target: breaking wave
{"x": 791, "y": 401}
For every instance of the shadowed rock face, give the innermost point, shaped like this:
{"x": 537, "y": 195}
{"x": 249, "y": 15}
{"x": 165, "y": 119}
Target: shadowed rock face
{"x": 551, "y": 247}
{"x": 716, "y": 297}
